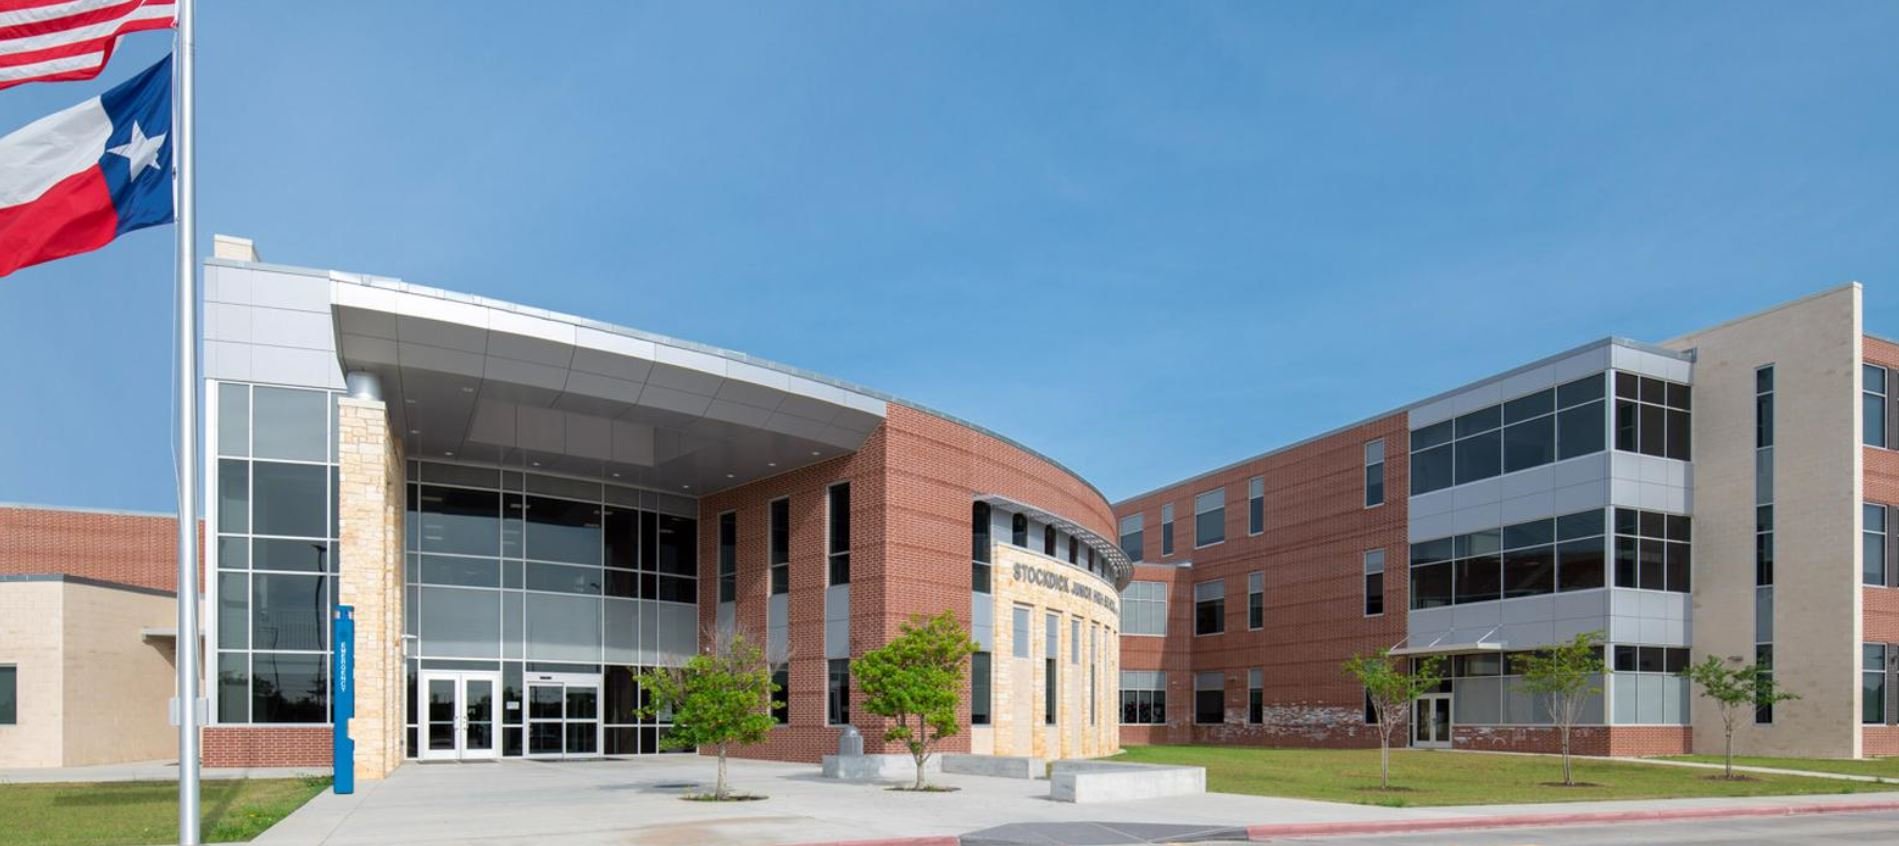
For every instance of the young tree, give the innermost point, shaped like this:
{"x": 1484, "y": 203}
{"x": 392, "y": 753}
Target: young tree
{"x": 1392, "y": 690}
{"x": 1565, "y": 675}
{"x": 1733, "y": 689}
{"x": 917, "y": 679}
{"x": 717, "y": 698}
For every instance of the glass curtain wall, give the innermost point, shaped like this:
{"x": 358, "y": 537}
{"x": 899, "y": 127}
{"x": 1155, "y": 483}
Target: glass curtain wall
{"x": 528, "y": 574}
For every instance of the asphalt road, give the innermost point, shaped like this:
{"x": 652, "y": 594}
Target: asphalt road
{"x": 1880, "y": 828}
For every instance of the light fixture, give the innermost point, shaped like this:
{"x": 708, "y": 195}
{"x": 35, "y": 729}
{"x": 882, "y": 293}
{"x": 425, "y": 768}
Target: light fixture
{"x": 415, "y": 431}
{"x": 616, "y": 475}
{"x": 815, "y": 452}
{"x": 467, "y": 390}
{"x": 449, "y": 453}
{"x": 771, "y": 464}
{"x": 687, "y": 487}
{"x": 728, "y": 475}
{"x": 537, "y": 463}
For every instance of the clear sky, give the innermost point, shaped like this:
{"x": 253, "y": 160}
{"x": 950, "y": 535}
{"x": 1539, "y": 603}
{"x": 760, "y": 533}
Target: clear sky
{"x": 1145, "y": 239}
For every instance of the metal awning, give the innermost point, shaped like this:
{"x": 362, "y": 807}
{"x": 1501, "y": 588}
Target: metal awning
{"x": 1448, "y": 648}
{"x": 1120, "y": 567}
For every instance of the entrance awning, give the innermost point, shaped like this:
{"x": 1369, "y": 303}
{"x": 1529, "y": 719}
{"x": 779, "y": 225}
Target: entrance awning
{"x": 1448, "y": 648}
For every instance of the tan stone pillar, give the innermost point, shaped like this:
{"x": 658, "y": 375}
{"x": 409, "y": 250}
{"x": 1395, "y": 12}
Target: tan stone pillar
{"x": 370, "y": 506}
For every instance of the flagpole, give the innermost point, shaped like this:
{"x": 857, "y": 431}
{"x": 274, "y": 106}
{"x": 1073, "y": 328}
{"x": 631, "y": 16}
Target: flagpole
{"x": 187, "y": 642}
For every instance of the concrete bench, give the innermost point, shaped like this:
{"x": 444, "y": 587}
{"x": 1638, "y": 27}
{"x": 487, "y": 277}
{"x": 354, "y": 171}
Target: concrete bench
{"x": 1098, "y": 781}
{"x": 997, "y": 766}
{"x": 876, "y": 768}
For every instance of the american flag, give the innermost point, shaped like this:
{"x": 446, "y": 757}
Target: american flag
{"x": 48, "y": 40}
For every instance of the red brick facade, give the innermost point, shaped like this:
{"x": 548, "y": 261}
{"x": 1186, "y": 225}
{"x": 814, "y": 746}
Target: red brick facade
{"x": 1620, "y": 741}
{"x": 1879, "y": 606}
{"x": 1317, "y": 530}
{"x": 266, "y": 746}
{"x": 127, "y": 549}
{"x": 912, "y": 484}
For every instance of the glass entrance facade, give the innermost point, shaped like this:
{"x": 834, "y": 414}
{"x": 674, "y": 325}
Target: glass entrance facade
{"x": 565, "y": 587}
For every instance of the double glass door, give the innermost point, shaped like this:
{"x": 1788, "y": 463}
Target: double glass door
{"x": 459, "y": 715}
{"x": 563, "y": 717}
{"x": 1431, "y": 721}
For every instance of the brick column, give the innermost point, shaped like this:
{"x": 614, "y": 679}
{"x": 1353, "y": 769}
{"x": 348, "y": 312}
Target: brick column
{"x": 370, "y": 506}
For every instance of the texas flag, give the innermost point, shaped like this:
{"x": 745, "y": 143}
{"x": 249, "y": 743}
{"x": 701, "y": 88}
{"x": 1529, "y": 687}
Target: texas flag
{"x": 74, "y": 180}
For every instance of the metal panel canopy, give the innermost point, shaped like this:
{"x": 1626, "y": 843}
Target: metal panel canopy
{"x": 471, "y": 379}
{"x": 1120, "y": 568}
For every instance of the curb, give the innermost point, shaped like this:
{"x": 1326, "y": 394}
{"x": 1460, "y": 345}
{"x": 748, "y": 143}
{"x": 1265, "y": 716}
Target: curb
{"x": 1261, "y": 833}
{"x": 923, "y": 840}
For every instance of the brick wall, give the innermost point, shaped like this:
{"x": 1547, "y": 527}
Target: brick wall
{"x": 911, "y": 487}
{"x": 266, "y": 746}
{"x": 1317, "y": 530}
{"x": 1879, "y": 740}
{"x": 1622, "y": 741}
{"x": 127, "y": 549}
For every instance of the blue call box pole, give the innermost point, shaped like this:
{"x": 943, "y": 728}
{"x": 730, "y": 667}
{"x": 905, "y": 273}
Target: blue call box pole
{"x": 342, "y": 698}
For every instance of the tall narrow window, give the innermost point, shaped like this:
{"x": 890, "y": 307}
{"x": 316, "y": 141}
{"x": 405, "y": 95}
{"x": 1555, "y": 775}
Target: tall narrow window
{"x": 780, "y": 546}
{"x": 1019, "y": 634}
{"x": 1209, "y": 607}
{"x": 979, "y": 689}
{"x": 1048, "y": 541}
{"x": 1256, "y": 505}
{"x": 728, "y": 556}
{"x": 1051, "y": 690}
{"x": 1872, "y": 684}
{"x": 1131, "y": 536}
{"x": 1209, "y": 698}
{"x": 1374, "y": 582}
{"x": 979, "y": 547}
{"x": 1209, "y": 518}
{"x": 1256, "y": 599}
{"x": 1764, "y": 530}
{"x": 1375, "y": 472}
{"x": 1074, "y": 549}
{"x": 838, "y": 692}
{"x": 1872, "y": 404}
{"x": 840, "y": 533}
{"x": 1873, "y": 544}
{"x": 9, "y": 696}
{"x": 1167, "y": 530}
{"x": 1256, "y": 696}
{"x": 781, "y": 698}
{"x": 1019, "y": 530}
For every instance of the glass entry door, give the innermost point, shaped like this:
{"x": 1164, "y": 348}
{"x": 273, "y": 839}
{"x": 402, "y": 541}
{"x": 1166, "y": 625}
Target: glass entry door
{"x": 1431, "y": 721}
{"x": 563, "y": 718}
{"x": 458, "y": 713}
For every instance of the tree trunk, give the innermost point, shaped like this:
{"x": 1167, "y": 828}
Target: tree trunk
{"x": 718, "y": 790}
{"x": 920, "y": 750}
{"x": 1568, "y": 779}
{"x": 1384, "y": 759}
{"x": 1727, "y": 752}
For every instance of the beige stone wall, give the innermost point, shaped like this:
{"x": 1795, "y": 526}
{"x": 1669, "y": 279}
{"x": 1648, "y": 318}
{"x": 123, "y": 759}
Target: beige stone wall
{"x": 1019, "y": 683}
{"x": 117, "y": 681}
{"x": 370, "y": 503}
{"x": 32, "y": 615}
{"x": 1814, "y": 345}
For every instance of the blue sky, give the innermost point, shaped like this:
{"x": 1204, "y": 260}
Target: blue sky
{"x": 1146, "y": 239}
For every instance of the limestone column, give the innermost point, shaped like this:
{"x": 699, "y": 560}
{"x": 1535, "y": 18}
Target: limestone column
{"x": 370, "y": 506}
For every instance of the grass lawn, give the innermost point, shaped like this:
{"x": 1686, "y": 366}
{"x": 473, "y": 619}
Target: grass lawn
{"x": 1423, "y": 777}
{"x": 1882, "y": 767}
{"x": 142, "y": 812}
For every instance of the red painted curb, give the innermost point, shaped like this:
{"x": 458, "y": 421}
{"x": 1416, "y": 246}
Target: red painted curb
{"x": 927, "y": 840}
{"x": 1269, "y": 832}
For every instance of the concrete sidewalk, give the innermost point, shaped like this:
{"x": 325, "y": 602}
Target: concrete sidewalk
{"x": 145, "y": 771}
{"x": 636, "y": 801}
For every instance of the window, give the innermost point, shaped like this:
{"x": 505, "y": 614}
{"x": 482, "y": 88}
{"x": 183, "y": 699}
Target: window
{"x": 839, "y": 542}
{"x": 1550, "y": 425}
{"x": 780, "y": 553}
{"x": 728, "y": 557}
{"x": 1019, "y": 631}
{"x": 1143, "y": 697}
{"x": 1144, "y": 609}
{"x": 1525, "y": 559}
{"x": 1131, "y": 536}
{"x": 1074, "y": 549}
{"x": 1375, "y": 473}
{"x": 1256, "y": 505}
{"x": 1048, "y": 541}
{"x": 9, "y": 696}
{"x": 1872, "y": 408}
{"x": 1019, "y": 530}
{"x": 979, "y": 545}
{"x": 1371, "y": 709}
{"x": 838, "y": 692}
{"x": 1650, "y": 659}
{"x": 1764, "y": 530}
{"x": 781, "y": 698}
{"x": 1651, "y": 550}
{"x": 1872, "y": 685}
{"x": 1051, "y": 691}
{"x": 979, "y": 688}
{"x": 1375, "y": 582}
{"x": 1074, "y": 641}
{"x": 1256, "y": 696}
{"x": 1256, "y": 599}
{"x": 1764, "y": 659}
{"x": 1209, "y": 607}
{"x": 1167, "y": 530}
{"x": 1651, "y": 416}
{"x": 1209, "y": 698}
{"x": 1209, "y": 518}
{"x": 1873, "y": 544}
